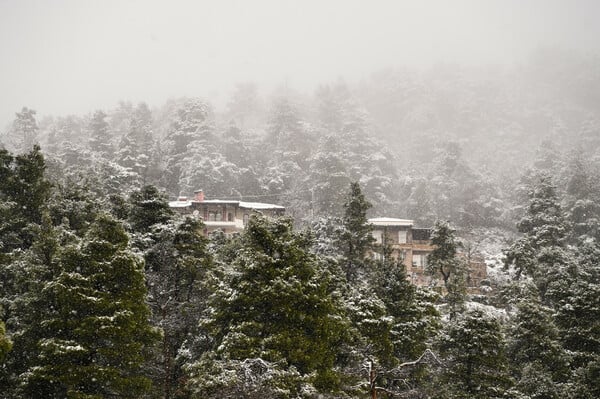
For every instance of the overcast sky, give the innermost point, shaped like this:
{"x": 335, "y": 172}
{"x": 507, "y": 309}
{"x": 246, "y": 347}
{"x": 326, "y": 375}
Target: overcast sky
{"x": 73, "y": 56}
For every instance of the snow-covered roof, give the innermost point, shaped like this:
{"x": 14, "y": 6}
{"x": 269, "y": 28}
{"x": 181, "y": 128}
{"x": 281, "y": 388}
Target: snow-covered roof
{"x": 241, "y": 204}
{"x": 390, "y": 222}
{"x": 259, "y": 205}
{"x": 180, "y": 204}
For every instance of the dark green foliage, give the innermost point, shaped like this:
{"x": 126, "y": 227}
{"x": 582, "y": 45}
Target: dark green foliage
{"x": 578, "y": 319}
{"x": 356, "y": 238}
{"x": 415, "y": 319}
{"x": 277, "y": 304}
{"x": 177, "y": 270}
{"x": 251, "y": 378}
{"x": 444, "y": 262}
{"x": 540, "y": 253}
{"x": 148, "y": 207}
{"x": 475, "y": 365}
{"x": 24, "y": 192}
{"x": 540, "y": 364}
{"x": 94, "y": 331}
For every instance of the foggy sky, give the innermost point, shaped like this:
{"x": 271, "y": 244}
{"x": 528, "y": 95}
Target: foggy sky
{"x": 71, "y": 57}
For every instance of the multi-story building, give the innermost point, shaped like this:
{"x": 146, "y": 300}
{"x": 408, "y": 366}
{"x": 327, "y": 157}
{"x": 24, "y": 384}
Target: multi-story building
{"x": 409, "y": 244}
{"x": 226, "y": 215}
{"x": 412, "y": 245}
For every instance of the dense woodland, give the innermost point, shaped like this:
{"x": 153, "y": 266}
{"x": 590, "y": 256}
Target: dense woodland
{"x": 106, "y": 293}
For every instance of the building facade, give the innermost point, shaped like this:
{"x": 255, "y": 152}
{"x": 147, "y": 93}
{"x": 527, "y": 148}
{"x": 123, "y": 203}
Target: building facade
{"x": 409, "y": 244}
{"x": 412, "y": 245}
{"x": 225, "y": 215}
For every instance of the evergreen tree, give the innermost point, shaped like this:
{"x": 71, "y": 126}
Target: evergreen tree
{"x": 540, "y": 252}
{"x": 28, "y": 272}
{"x": 26, "y": 129}
{"x": 578, "y": 319}
{"x": 444, "y": 262}
{"x": 148, "y": 207}
{"x": 356, "y": 238}
{"x": 277, "y": 305}
{"x": 24, "y": 192}
{"x": 190, "y": 132}
{"x": 94, "y": 331}
{"x": 540, "y": 364}
{"x": 100, "y": 140}
{"x": 178, "y": 267}
{"x": 475, "y": 363}
{"x": 415, "y": 319}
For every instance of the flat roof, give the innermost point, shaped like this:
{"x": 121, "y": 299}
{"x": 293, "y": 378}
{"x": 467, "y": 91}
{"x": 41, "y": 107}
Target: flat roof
{"x": 391, "y": 222}
{"x": 241, "y": 204}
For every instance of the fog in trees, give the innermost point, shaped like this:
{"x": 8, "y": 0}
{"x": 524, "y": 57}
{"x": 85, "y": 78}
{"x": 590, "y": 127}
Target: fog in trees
{"x": 434, "y": 167}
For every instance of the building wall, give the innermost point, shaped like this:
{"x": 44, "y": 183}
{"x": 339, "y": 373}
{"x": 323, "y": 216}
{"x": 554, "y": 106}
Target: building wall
{"x": 227, "y": 216}
{"x": 414, "y": 252}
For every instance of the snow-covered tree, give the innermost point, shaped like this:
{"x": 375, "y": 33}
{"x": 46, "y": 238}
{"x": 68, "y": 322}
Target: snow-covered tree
{"x": 190, "y": 133}
{"x": 356, "y": 238}
{"x": 94, "y": 330}
{"x": 100, "y": 138}
{"x": 540, "y": 252}
{"x": 25, "y": 129}
{"x": 443, "y": 262}
{"x": 475, "y": 364}
{"x": 277, "y": 306}
{"x": 540, "y": 364}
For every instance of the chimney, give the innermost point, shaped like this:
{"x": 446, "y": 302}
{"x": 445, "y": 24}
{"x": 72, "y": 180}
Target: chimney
{"x": 199, "y": 195}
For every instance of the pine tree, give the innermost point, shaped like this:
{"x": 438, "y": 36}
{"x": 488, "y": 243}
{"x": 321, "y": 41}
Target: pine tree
{"x": 475, "y": 363}
{"x": 277, "y": 305}
{"x": 24, "y": 192}
{"x": 356, "y": 239}
{"x": 540, "y": 364}
{"x": 28, "y": 271}
{"x": 95, "y": 330}
{"x": 100, "y": 140}
{"x": 178, "y": 269}
{"x": 26, "y": 129}
{"x": 148, "y": 207}
{"x": 415, "y": 319}
{"x": 540, "y": 252}
{"x": 190, "y": 132}
{"x": 444, "y": 262}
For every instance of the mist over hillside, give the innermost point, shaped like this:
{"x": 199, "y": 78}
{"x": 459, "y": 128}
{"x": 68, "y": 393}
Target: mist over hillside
{"x": 316, "y": 199}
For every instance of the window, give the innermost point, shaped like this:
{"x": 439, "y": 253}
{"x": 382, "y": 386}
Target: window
{"x": 402, "y": 236}
{"x": 230, "y": 217}
{"x": 419, "y": 260}
{"x": 212, "y": 216}
{"x": 246, "y": 219}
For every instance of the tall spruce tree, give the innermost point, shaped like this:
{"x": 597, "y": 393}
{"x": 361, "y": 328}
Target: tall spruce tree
{"x": 540, "y": 252}
{"x": 277, "y": 306}
{"x": 94, "y": 330}
{"x": 178, "y": 267}
{"x": 475, "y": 365}
{"x": 356, "y": 238}
{"x": 443, "y": 262}
{"x": 539, "y": 363}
